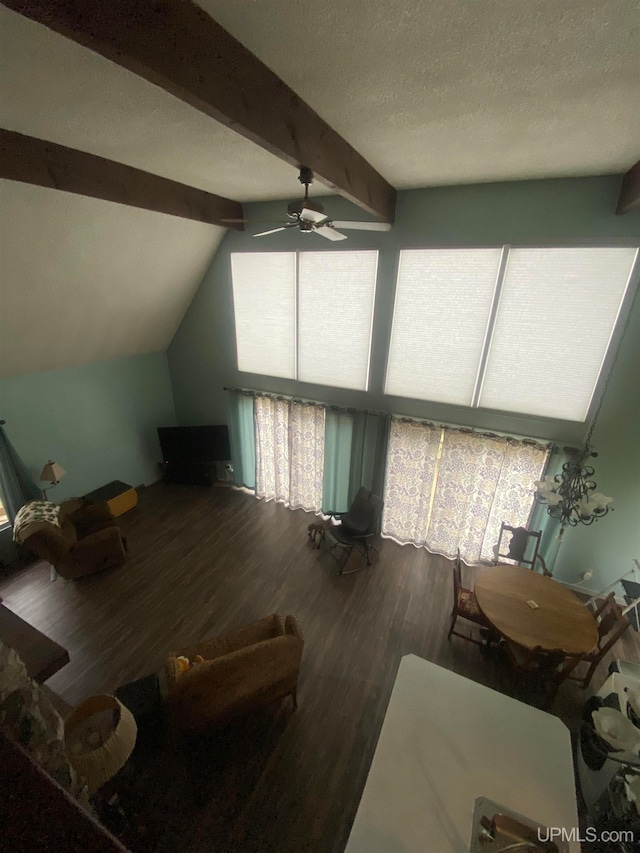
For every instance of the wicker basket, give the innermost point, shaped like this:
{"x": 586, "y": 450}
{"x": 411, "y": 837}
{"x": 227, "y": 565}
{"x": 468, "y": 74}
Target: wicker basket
{"x": 100, "y": 764}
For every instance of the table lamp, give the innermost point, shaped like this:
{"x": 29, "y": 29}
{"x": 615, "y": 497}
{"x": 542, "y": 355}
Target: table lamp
{"x": 51, "y": 473}
{"x": 97, "y": 754}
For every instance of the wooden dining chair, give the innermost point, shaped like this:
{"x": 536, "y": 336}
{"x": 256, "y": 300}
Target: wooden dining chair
{"x": 612, "y": 623}
{"x": 465, "y": 605}
{"x": 516, "y": 547}
{"x": 541, "y": 669}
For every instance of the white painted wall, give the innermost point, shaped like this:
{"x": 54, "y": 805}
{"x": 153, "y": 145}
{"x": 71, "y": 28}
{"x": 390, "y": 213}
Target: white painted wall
{"x": 86, "y": 280}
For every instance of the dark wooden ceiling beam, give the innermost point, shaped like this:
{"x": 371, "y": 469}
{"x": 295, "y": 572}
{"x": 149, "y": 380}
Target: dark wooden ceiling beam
{"x": 177, "y": 46}
{"x": 46, "y": 164}
{"x": 630, "y": 190}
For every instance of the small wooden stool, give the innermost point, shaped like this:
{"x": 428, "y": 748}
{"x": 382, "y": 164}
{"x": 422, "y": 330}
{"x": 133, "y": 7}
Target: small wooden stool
{"x": 316, "y": 533}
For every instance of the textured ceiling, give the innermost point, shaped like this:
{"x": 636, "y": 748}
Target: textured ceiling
{"x": 444, "y": 92}
{"x": 430, "y": 92}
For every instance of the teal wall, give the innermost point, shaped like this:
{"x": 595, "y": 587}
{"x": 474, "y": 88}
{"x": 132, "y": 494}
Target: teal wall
{"x": 608, "y": 546}
{"x": 98, "y": 421}
{"x": 202, "y": 355}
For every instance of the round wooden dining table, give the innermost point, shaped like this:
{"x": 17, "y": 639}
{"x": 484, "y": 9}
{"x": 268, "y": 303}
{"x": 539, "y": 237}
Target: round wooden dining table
{"x": 560, "y": 620}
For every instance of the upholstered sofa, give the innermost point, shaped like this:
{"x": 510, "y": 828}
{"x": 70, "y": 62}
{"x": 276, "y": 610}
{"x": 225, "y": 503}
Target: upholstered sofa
{"x": 83, "y": 540}
{"x": 253, "y": 666}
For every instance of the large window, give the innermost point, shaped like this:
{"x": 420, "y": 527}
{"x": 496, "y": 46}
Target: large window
{"x": 450, "y": 489}
{"x": 444, "y": 488}
{"x": 264, "y": 301}
{"x": 518, "y": 330}
{"x": 305, "y": 316}
{"x": 556, "y": 314}
{"x": 443, "y": 302}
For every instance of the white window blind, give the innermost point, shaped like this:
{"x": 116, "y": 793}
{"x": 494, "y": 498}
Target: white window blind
{"x": 264, "y": 301}
{"x": 442, "y": 307}
{"x": 336, "y": 294}
{"x": 557, "y": 311}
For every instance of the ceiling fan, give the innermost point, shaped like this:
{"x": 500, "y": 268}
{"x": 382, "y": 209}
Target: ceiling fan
{"x": 308, "y": 216}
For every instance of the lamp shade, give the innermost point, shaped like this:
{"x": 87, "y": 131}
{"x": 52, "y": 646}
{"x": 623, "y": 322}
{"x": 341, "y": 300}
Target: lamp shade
{"x": 96, "y": 764}
{"x": 52, "y": 472}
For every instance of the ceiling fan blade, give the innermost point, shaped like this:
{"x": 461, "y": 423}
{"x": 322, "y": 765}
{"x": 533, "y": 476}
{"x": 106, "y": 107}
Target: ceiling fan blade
{"x": 273, "y": 231}
{"x": 252, "y": 221}
{"x": 361, "y": 226}
{"x": 310, "y": 215}
{"x": 329, "y": 233}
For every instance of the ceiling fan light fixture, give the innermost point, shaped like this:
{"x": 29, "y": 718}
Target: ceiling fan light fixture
{"x": 309, "y": 217}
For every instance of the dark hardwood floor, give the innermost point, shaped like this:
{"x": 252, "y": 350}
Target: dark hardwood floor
{"x": 203, "y": 561}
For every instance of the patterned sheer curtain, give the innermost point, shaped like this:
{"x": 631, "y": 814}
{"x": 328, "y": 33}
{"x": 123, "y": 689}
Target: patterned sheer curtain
{"x": 289, "y": 445}
{"x": 448, "y": 489}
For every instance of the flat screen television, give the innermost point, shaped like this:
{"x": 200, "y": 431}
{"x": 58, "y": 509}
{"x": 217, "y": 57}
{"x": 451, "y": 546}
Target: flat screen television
{"x": 190, "y": 453}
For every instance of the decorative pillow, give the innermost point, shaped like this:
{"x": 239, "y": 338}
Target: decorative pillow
{"x": 27, "y": 716}
{"x": 34, "y": 516}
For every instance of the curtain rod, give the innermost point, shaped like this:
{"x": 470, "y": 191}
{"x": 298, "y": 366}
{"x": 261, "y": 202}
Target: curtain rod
{"x": 251, "y": 392}
{"x": 475, "y": 431}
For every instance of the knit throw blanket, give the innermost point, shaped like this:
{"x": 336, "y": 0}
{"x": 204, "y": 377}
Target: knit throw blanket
{"x": 34, "y": 516}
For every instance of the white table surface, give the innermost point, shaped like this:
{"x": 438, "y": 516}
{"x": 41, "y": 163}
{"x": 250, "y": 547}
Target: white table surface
{"x": 446, "y": 740}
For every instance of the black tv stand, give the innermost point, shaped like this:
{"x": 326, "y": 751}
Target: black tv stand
{"x": 189, "y": 473}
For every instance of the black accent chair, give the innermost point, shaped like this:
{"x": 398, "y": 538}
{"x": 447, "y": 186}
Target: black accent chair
{"x": 516, "y": 547}
{"x": 359, "y": 526}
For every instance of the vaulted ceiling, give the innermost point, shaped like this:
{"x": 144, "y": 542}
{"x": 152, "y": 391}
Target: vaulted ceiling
{"x": 429, "y": 93}
{"x": 433, "y": 92}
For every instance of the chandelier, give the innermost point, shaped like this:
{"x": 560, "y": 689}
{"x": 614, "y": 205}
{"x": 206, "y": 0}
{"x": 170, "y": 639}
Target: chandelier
{"x": 571, "y": 496}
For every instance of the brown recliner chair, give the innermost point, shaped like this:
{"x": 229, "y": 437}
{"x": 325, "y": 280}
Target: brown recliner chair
{"x": 88, "y": 540}
{"x": 242, "y": 670}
